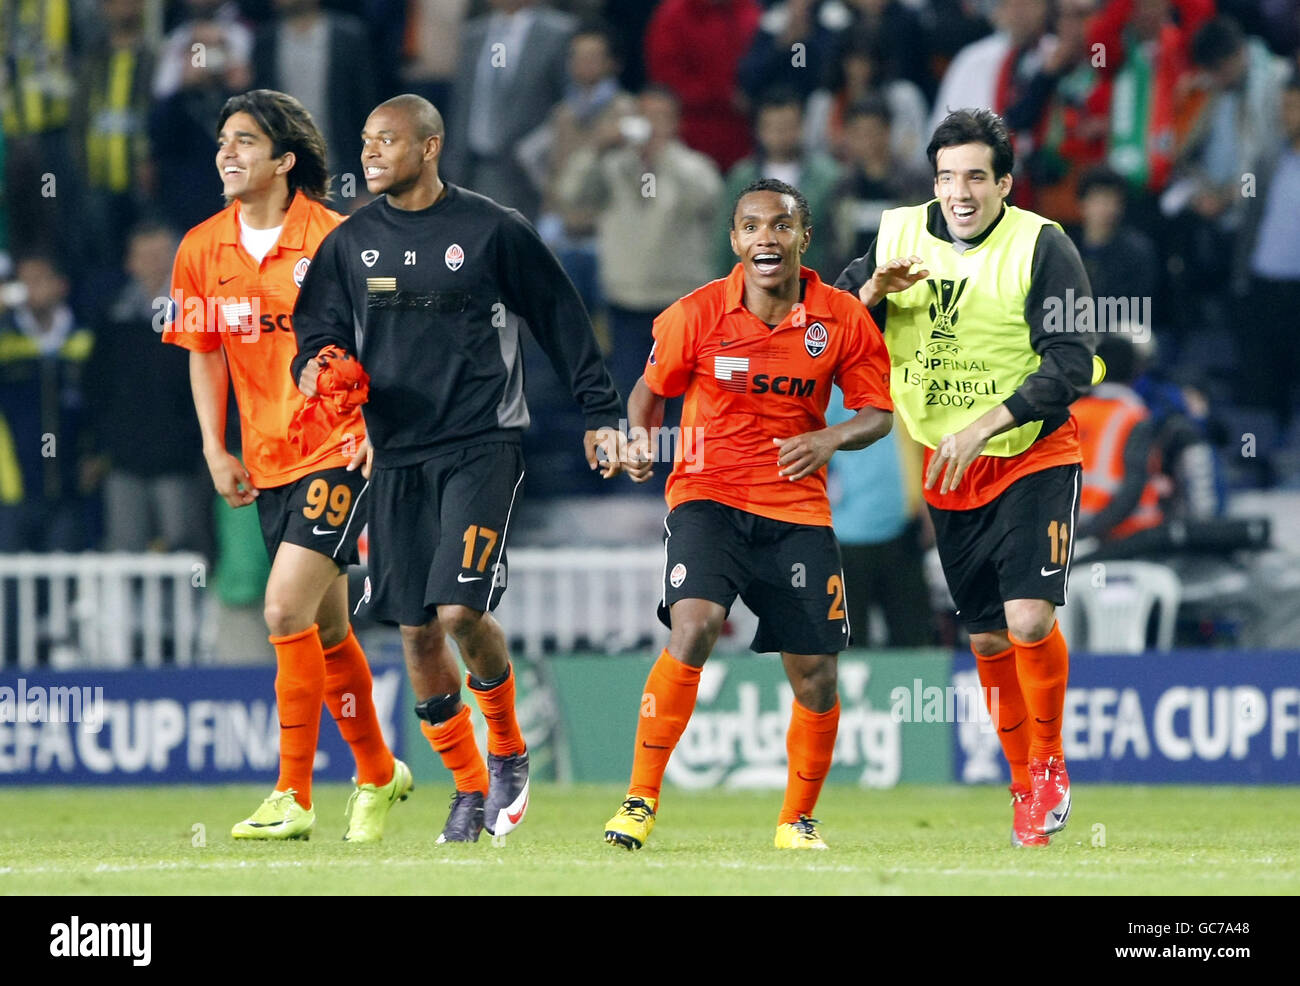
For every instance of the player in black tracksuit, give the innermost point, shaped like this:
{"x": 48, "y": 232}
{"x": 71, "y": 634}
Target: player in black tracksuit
{"x": 427, "y": 287}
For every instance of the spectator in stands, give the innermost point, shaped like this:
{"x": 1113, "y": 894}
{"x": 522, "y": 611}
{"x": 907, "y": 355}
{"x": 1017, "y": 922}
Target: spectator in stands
{"x": 1121, "y": 261}
{"x": 991, "y": 72}
{"x": 1237, "y": 125}
{"x": 155, "y": 495}
{"x": 794, "y": 47}
{"x": 390, "y": 40}
{"x": 656, "y": 202}
{"x": 694, "y": 48}
{"x": 1145, "y": 73}
{"x": 431, "y": 48}
{"x": 38, "y": 43}
{"x": 882, "y": 526}
{"x": 111, "y": 123}
{"x": 876, "y": 179}
{"x": 856, "y": 76}
{"x": 1241, "y": 82}
{"x": 44, "y": 473}
{"x": 593, "y": 104}
{"x": 629, "y": 19}
{"x": 225, "y": 47}
{"x": 778, "y": 125}
{"x": 1122, "y": 482}
{"x": 323, "y": 60}
{"x": 951, "y": 25}
{"x": 1268, "y": 277}
{"x": 909, "y": 49}
{"x": 1061, "y": 107}
{"x": 180, "y": 124}
{"x": 511, "y": 74}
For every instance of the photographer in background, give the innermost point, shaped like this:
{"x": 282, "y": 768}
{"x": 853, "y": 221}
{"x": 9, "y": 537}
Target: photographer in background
{"x": 593, "y": 102}
{"x": 205, "y": 61}
{"x": 654, "y": 198}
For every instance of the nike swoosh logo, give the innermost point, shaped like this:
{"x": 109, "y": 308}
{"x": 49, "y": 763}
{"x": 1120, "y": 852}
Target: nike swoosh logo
{"x": 1008, "y": 729}
{"x": 651, "y": 746}
{"x": 298, "y": 726}
{"x": 1053, "y": 719}
{"x": 1058, "y": 815}
{"x": 461, "y": 578}
{"x": 317, "y": 530}
{"x": 811, "y": 780}
{"x": 728, "y": 342}
{"x": 224, "y": 280}
{"x": 1044, "y": 571}
{"x": 515, "y": 816}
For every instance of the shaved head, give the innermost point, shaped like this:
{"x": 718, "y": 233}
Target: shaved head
{"x": 424, "y": 117}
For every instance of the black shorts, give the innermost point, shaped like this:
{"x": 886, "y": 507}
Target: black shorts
{"x": 788, "y": 574}
{"x": 438, "y": 532}
{"x": 325, "y": 512}
{"x": 1018, "y": 546}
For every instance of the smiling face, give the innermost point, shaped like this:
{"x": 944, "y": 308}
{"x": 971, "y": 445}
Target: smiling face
{"x": 393, "y": 158}
{"x": 245, "y": 162}
{"x": 769, "y": 238}
{"x": 968, "y": 193}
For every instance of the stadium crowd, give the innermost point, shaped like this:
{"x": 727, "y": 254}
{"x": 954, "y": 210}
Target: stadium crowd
{"x": 1164, "y": 135}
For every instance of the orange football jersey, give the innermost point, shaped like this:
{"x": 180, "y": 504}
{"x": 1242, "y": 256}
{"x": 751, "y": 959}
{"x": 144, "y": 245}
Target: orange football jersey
{"x": 746, "y": 384}
{"x": 222, "y": 297}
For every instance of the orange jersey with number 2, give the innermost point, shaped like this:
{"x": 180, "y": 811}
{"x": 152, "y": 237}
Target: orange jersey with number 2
{"x": 746, "y": 383}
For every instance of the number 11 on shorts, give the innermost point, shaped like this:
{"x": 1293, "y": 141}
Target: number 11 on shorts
{"x": 471, "y": 535}
{"x": 1058, "y": 536}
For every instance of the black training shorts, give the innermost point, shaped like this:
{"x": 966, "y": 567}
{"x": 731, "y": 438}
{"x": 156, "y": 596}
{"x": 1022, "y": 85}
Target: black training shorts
{"x": 1017, "y": 546}
{"x": 438, "y": 532}
{"x": 788, "y": 574}
{"x": 325, "y": 511}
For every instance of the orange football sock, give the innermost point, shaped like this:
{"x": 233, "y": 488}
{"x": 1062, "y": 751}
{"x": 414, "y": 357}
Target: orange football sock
{"x": 454, "y": 742}
{"x": 666, "y": 707}
{"x": 299, "y": 689}
{"x": 1044, "y": 667}
{"x": 1006, "y": 705}
{"x": 809, "y": 745}
{"x": 498, "y": 707}
{"x": 349, "y": 697}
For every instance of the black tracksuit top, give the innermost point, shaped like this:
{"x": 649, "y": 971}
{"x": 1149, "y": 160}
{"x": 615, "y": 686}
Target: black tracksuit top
{"x": 430, "y": 301}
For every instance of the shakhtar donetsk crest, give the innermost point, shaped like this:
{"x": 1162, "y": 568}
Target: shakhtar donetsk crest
{"x": 814, "y": 339}
{"x": 455, "y": 256}
{"x": 300, "y": 270}
{"x": 678, "y": 575}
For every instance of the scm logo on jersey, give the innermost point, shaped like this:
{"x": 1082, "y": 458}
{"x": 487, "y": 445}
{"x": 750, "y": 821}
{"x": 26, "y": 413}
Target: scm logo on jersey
{"x": 814, "y": 339}
{"x": 785, "y": 386}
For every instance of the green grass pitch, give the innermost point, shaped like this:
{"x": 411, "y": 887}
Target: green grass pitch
{"x": 910, "y": 840}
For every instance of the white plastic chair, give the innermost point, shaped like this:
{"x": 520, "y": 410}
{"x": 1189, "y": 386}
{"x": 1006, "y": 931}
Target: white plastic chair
{"x": 1110, "y": 606}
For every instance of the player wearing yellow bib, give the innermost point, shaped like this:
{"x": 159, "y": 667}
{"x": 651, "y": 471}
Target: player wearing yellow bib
{"x": 977, "y": 300}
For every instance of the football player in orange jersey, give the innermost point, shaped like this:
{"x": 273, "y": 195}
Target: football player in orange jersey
{"x": 755, "y": 355}
{"x": 235, "y": 281}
